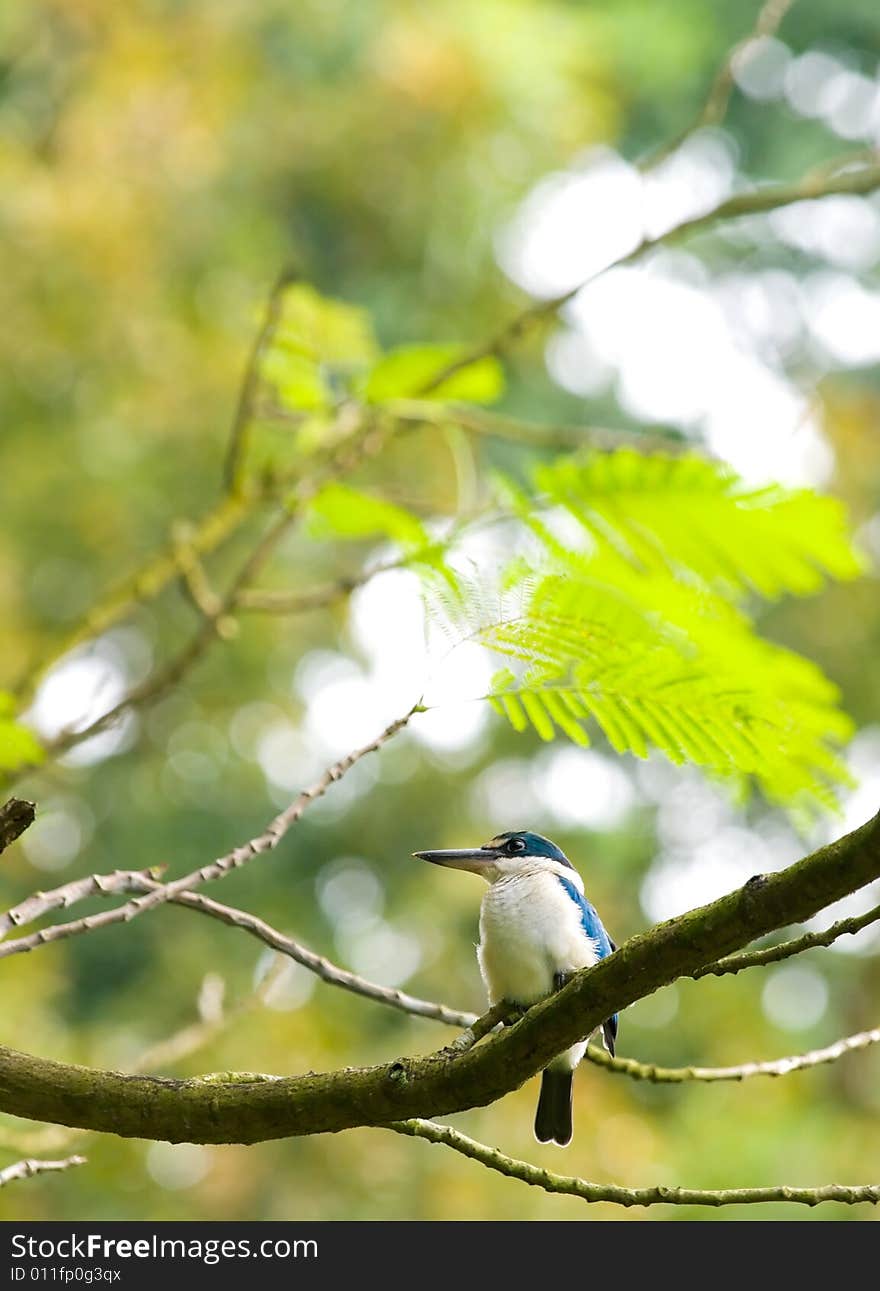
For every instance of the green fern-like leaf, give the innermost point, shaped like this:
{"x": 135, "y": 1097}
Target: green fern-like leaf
{"x": 653, "y": 662}
{"x": 696, "y": 518}
{"x": 748, "y": 709}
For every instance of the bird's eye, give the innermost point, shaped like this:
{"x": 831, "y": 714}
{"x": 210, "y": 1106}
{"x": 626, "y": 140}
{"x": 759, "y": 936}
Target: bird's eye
{"x": 516, "y": 845}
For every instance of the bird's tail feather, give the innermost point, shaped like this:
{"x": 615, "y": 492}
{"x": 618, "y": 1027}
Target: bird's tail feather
{"x": 553, "y": 1118}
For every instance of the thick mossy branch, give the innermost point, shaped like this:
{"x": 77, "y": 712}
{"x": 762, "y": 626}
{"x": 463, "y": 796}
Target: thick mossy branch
{"x": 196, "y": 1111}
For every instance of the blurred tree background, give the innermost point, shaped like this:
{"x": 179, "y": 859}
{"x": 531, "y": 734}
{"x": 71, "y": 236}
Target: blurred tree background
{"x": 161, "y": 161}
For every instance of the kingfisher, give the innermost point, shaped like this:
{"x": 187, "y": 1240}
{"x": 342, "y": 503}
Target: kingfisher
{"x": 536, "y": 929}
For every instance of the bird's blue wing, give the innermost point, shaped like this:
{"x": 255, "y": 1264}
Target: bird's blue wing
{"x": 595, "y": 930}
{"x": 590, "y": 921}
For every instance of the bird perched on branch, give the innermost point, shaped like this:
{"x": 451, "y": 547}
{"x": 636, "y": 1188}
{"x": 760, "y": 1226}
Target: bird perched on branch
{"x": 536, "y": 929}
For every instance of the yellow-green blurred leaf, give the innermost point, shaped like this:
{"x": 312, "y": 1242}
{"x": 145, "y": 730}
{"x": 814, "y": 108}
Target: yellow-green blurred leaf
{"x": 342, "y": 512}
{"x": 19, "y": 747}
{"x": 315, "y": 337}
{"x": 409, "y": 372}
{"x": 330, "y": 332}
{"x": 297, "y": 380}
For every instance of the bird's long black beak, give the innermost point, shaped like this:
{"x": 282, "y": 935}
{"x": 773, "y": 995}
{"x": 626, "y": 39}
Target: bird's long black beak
{"x": 460, "y": 858}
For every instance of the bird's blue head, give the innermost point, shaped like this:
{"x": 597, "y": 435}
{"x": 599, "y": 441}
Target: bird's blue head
{"x": 517, "y": 851}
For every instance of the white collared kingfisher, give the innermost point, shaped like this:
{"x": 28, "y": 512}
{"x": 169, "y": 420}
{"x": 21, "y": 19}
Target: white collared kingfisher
{"x": 536, "y": 929}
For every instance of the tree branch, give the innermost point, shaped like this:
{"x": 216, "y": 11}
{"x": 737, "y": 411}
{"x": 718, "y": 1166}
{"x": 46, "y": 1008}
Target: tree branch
{"x": 219, "y": 868}
{"x": 609, "y": 1192}
{"x": 777, "y": 1067}
{"x": 440, "y": 1083}
{"x": 754, "y": 202}
{"x": 362, "y": 443}
{"x": 251, "y": 381}
{"x": 714, "y": 108}
{"x": 40, "y": 903}
{"x": 168, "y": 676}
{"x": 280, "y": 601}
{"x": 142, "y": 881}
{"x": 194, "y": 578}
{"x": 766, "y": 24}
{"x": 16, "y": 815}
{"x": 207, "y": 536}
{"x": 563, "y": 438}
{"x": 785, "y": 949}
{"x": 27, "y": 1169}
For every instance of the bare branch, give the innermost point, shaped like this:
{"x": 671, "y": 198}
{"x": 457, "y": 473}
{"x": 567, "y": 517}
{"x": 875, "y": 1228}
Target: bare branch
{"x": 218, "y": 869}
{"x": 143, "y": 881}
{"x": 767, "y": 24}
{"x": 366, "y": 440}
{"x": 714, "y": 109}
{"x": 777, "y": 1067}
{"x": 479, "y": 1027}
{"x": 785, "y": 949}
{"x": 754, "y": 202}
{"x": 481, "y": 421}
{"x": 609, "y": 1192}
{"x": 28, "y": 1168}
{"x": 16, "y": 815}
{"x": 40, "y": 903}
{"x": 207, "y": 536}
{"x": 281, "y": 601}
{"x": 251, "y": 381}
{"x": 167, "y": 677}
{"x": 269, "y": 601}
{"x": 195, "y": 579}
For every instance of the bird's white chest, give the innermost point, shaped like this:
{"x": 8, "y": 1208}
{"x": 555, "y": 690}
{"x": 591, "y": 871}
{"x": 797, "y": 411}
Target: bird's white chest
{"x": 530, "y": 930}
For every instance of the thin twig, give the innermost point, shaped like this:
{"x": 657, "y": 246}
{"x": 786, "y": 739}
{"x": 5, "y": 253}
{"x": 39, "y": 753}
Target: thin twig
{"x": 714, "y": 108}
{"x": 270, "y": 601}
{"x": 41, "y": 1089}
{"x": 280, "y": 601}
{"x": 40, "y": 903}
{"x": 143, "y": 881}
{"x": 28, "y": 1168}
{"x": 251, "y": 382}
{"x": 754, "y": 202}
{"x": 194, "y": 577}
{"x": 157, "y": 685}
{"x": 363, "y": 442}
{"x": 777, "y": 1067}
{"x": 481, "y": 421}
{"x": 219, "y": 868}
{"x": 479, "y": 1027}
{"x": 207, "y": 536}
{"x": 608, "y": 1192}
{"x": 785, "y": 949}
{"x": 476, "y": 1028}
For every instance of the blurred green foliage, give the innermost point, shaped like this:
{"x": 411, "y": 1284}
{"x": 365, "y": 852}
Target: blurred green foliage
{"x": 160, "y": 163}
